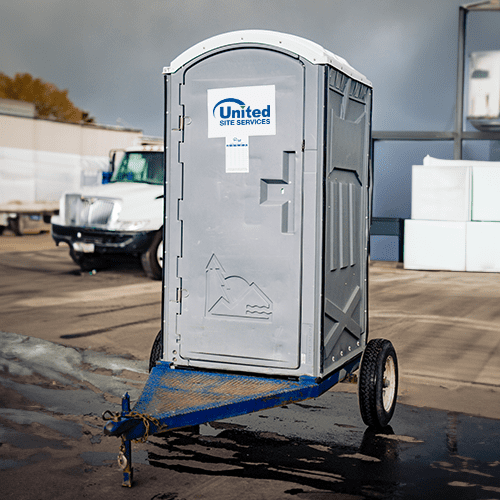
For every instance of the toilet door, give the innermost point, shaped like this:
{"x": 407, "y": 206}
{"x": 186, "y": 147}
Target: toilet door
{"x": 240, "y": 209}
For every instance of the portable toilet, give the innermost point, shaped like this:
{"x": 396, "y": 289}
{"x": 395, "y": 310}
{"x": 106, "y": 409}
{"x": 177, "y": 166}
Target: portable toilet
{"x": 267, "y": 199}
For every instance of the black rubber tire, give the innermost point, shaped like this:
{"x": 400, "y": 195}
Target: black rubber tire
{"x": 156, "y": 350}
{"x": 149, "y": 259}
{"x": 379, "y": 363}
{"x": 17, "y": 225}
{"x": 88, "y": 262}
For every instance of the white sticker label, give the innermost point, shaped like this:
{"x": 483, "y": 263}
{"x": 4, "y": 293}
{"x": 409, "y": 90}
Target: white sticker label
{"x": 238, "y": 113}
{"x": 237, "y": 155}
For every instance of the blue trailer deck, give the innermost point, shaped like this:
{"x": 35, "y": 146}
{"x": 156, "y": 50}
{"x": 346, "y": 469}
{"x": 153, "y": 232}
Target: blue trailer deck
{"x": 173, "y": 398}
{"x": 177, "y": 398}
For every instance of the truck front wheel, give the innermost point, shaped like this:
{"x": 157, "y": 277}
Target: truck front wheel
{"x": 17, "y": 225}
{"x": 152, "y": 258}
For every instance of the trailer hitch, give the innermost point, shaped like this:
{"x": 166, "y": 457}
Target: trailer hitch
{"x": 130, "y": 426}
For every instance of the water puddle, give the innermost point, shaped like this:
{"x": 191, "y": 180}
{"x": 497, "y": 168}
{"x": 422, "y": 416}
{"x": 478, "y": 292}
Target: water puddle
{"x": 437, "y": 455}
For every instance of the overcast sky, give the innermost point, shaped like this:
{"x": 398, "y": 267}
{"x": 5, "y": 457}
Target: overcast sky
{"x": 110, "y": 54}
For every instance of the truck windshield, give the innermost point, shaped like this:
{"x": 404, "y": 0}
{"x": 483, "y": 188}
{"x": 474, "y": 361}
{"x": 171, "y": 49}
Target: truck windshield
{"x": 140, "y": 167}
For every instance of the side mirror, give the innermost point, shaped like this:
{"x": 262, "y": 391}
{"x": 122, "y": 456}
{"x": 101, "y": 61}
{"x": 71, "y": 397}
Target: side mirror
{"x": 112, "y": 157}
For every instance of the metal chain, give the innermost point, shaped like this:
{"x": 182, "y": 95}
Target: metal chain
{"x": 147, "y": 420}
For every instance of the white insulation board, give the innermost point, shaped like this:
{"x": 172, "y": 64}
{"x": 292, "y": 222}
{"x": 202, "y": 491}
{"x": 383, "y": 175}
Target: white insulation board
{"x": 441, "y": 192}
{"x": 484, "y": 187}
{"x": 485, "y": 193}
{"x": 434, "y": 245}
{"x": 483, "y": 247}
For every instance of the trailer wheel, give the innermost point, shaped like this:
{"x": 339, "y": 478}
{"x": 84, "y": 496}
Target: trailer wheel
{"x": 88, "y": 262}
{"x": 152, "y": 258}
{"x": 156, "y": 350}
{"x": 378, "y": 383}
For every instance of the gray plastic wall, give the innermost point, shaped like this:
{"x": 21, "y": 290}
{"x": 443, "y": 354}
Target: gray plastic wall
{"x": 265, "y": 266}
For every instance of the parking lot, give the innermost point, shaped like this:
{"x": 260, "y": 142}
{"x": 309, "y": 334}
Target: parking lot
{"x": 445, "y": 328}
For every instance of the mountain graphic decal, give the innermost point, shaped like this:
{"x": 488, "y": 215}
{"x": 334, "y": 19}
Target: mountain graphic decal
{"x": 233, "y": 296}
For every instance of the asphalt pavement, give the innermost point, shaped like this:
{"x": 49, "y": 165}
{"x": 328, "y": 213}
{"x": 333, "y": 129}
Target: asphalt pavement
{"x": 71, "y": 343}
{"x": 445, "y": 327}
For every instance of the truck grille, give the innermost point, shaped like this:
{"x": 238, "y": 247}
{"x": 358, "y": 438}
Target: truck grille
{"x": 82, "y": 211}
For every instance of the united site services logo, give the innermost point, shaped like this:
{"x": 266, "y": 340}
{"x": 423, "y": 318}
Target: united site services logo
{"x": 233, "y": 111}
{"x": 242, "y": 111}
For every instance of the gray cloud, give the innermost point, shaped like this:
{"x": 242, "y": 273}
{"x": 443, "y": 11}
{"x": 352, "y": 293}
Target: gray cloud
{"x": 110, "y": 54}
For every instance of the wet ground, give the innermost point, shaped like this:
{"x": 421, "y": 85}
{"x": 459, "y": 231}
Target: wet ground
{"x": 69, "y": 349}
{"x": 52, "y": 440}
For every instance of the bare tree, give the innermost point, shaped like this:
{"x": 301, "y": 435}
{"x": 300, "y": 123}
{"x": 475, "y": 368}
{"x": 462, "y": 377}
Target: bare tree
{"x": 49, "y": 101}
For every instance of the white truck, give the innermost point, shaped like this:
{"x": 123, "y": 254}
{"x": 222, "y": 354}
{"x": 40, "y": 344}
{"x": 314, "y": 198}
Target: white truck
{"x": 122, "y": 216}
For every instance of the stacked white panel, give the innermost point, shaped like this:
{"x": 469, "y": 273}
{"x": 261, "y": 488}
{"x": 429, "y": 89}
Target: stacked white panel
{"x": 486, "y": 193}
{"x": 429, "y": 160}
{"x": 435, "y": 245}
{"x": 483, "y": 247}
{"x": 441, "y": 193}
